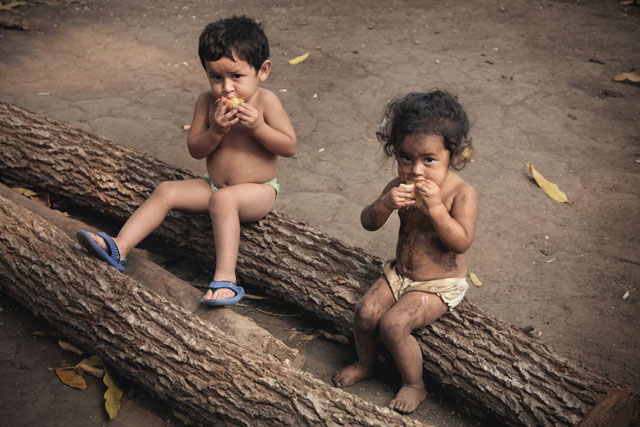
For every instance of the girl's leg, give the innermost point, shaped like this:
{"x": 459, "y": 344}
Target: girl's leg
{"x": 228, "y": 207}
{"x": 374, "y": 304}
{"x": 413, "y": 310}
{"x": 190, "y": 195}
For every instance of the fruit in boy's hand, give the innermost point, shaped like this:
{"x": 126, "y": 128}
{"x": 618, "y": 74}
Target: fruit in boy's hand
{"x": 234, "y": 101}
{"x": 410, "y": 184}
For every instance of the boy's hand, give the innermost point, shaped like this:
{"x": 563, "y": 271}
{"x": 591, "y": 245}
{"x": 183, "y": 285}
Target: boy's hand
{"x": 430, "y": 193}
{"x": 249, "y": 116}
{"x": 222, "y": 118}
{"x": 398, "y": 198}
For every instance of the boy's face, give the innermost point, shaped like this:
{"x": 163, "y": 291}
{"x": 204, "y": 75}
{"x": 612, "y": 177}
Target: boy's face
{"x": 422, "y": 157}
{"x": 235, "y": 79}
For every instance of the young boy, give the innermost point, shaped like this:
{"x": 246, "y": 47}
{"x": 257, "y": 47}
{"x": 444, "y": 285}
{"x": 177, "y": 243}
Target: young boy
{"x": 240, "y": 129}
{"x": 427, "y": 135}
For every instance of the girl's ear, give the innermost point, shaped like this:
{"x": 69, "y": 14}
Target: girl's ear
{"x": 264, "y": 70}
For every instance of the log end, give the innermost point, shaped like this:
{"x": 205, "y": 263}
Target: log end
{"x": 615, "y": 409}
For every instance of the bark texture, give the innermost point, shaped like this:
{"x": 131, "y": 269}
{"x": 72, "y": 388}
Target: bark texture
{"x": 163, "y": 283}
{"x": 190, "y": 363}
{"x": 476, "y": 355}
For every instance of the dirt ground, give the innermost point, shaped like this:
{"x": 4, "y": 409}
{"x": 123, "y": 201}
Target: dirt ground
{"x": 535, "y": 77}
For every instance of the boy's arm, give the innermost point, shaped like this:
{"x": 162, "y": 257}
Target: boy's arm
{"x": 272, "y": 129}
{"x": 209, "y": 125}
{"x": 456, "y": 229}
{"x": 392, "y": 197}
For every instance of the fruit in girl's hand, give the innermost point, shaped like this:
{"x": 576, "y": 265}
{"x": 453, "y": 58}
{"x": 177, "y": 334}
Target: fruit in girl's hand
{"x": 410, "y": 184}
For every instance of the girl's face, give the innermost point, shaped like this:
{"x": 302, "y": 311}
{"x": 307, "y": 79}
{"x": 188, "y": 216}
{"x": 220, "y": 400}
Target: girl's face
{"x": 421, "y": 157}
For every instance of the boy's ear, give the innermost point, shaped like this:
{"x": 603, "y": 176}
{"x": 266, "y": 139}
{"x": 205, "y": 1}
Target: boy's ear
{"x": 264, "y": 70}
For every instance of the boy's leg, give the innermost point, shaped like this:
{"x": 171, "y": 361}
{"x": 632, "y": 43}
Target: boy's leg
{"x": 374, "y": 304}
{"x": 228, "y": 207}
{"x": 413, "y": 310}
{"x": 190, "y": 195}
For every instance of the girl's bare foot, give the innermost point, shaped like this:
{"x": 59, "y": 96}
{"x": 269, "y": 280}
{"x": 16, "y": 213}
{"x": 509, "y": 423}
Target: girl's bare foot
{"x": 408, "y": 398}
{"x": 99, "y": 240}
{"x": 351, "y": 375}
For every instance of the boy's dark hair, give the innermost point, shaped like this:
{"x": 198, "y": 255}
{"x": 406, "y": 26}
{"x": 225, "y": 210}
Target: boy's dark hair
{"x": 432, "y": 113}
{"x": 237, "y": 35}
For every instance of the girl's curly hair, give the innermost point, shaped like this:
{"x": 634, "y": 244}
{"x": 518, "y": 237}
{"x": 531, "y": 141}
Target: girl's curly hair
{"x": 432, "y": 113}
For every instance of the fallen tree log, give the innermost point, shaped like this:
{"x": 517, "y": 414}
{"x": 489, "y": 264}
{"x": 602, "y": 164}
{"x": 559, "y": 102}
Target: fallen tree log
{"x": 205, "y": 374}
{"x": 474, "y": 354}
{"x": 174, "y": 289}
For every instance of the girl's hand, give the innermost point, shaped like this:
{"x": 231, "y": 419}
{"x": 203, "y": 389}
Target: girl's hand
{"x": 398, "y": 198}
{"x": 430, "y": 193}
{"x": 222, "y": 118}
{"x": 249, "y": 116}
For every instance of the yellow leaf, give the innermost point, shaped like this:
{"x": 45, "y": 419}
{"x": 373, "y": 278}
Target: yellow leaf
{"x": 298, "y": 59}
{"x": 69, "y": 347}
{"x": 632, "y": 77}
{"x": 71, "y": 379}
{"x": 474, "y": 279}
{"x": 112, "y": 397}
{"x": 549, "y": 187}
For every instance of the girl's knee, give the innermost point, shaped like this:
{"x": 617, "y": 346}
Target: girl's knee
{"x": 222, "y": 200}
{"x": 165, "y": 192}
{"x": 393, "y": 329}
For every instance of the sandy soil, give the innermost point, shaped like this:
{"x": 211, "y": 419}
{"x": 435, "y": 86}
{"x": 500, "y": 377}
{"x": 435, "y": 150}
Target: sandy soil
{"x": 535, "y": 76}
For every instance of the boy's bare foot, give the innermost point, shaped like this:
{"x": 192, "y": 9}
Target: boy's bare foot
{"x": 408, "y": 398}
{"x": 350, "y": 375}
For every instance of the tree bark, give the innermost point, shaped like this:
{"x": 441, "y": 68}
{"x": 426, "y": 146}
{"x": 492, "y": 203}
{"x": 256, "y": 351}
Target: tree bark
{"x": 207, "y": 375}
{"x": 163, "y": 283}
{"x": 474, "y": 354}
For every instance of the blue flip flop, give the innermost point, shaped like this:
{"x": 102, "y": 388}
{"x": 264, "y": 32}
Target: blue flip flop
{"x": 239, "y": 290}
{"x": 112, "y": 257}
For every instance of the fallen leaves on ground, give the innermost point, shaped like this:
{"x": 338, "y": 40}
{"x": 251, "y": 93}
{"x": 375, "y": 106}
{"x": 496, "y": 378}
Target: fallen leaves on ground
{"x": 474, "y": 279}
{"x": 112, "y": 397}
{"x": 548, "y": 187}
{"x": 633, "y": 77}
{"x": 298, "y": 59}
{"x": 12, "y": 5}
{"x": 91, "y": 365}
{"x": 69, "y": 347}
{"x": 70, "y": 378}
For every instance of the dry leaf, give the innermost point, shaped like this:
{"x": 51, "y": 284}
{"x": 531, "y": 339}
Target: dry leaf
{"x": 44, "y": 334}
{"x": 12, "y": 5}
{"x": 466, "y": 153}
{"x": 633, "y": 77}
{"x": 549, "y": 187}
{"x": 70, "y": 378}
{"x": 25, "y": 192}
{"x": 336, "y": 337}
{"x": 90, "y": 366}
{"x": 474, "y": 279}
{"x": 112, "y": 397}
{"x": 298, "y": 59}
{"x": 186, "y": 127}
{"x": 69, "y": 347}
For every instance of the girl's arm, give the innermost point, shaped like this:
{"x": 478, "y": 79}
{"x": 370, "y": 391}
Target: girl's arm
{"x": 210, "y": 124}
{"x": 456, "y": 229}
{"x": 392, "y": 197}
{"x": 272, "y": 129}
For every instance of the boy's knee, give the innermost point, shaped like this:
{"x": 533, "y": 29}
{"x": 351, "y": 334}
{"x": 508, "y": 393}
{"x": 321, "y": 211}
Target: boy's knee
{"x": 393, "y": 329}
{"x": 366, "y": 317}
